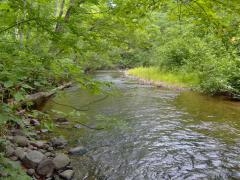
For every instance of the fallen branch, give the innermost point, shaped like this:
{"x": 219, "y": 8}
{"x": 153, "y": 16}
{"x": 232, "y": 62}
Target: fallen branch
{"x": 40, "y": 97}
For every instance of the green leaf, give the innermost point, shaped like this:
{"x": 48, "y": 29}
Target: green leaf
{"x": 19, "y": 96}
{"x": 8, "y": 84}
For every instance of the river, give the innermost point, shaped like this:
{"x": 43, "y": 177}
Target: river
{"x": 150, "y": 133}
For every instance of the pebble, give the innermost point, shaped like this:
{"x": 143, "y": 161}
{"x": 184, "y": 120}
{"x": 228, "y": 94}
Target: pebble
{"x": 68, "y": 174}
{"x": 30, "y": 172}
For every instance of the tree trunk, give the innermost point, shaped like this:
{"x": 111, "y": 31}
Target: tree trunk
{"x": 58, "y": 25}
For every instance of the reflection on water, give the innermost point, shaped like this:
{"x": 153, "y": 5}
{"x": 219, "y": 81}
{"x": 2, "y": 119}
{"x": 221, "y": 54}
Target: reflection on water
{"x": 153, "y": 133}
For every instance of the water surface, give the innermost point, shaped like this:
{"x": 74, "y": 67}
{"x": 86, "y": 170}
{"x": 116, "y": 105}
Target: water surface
{"x": 151, "y": 133}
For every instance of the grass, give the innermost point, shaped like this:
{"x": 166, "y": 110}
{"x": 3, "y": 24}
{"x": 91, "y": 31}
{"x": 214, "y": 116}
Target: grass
{"x": 179, "y": 79}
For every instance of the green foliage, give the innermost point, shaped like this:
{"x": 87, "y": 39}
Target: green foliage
{"x": 13, "y": 169}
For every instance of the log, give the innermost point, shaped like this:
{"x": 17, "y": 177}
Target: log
{"x": 40, "y": 97}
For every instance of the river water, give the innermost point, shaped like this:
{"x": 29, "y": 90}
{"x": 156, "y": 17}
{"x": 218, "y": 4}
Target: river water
{"x": 150, "y": 133}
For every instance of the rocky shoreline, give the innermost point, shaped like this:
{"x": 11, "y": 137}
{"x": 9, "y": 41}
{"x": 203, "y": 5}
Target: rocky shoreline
{"x": 41, "y": 157}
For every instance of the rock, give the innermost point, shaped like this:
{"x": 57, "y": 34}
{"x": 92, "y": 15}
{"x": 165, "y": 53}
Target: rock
{"x": 10, "y": 138}
{"x": 50, "y": 148}
{"x": 56, "y": 177}
{"x": 59, "y": 142}
{"x": 30, "y": 172}
{"x": 17, "y": 132}
{"x": 38, "y": 144}
{"x": 9, "y": 150}
{"x": 43, "y": 151}
{"x": 4, "y": 174}
{"x": 33, "y": 158}
{"x": 46, "y": 146}
{"x": 21, "y": 141}
{"x": 45, "y": 167}
{"x": 78, "y": 126}
{"x": 80, "y": 150}
{"x": 19, "y": 152}
{"x": 43, "y": 130}
{"x": 68, "y": 174}
{"x": 61, "y": 119}
{"x": 34, "y": 122}
{"x": 61, "y": 161}
{"x": 14, "y": 158}
{"x": 48, "y": 154}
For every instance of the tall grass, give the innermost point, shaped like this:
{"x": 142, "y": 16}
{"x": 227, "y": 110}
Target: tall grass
{"x": 180, "y": 79}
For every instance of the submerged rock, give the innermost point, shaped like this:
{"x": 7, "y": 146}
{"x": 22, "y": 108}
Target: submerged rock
{"x": 68, "y": 174}
{"x": 33, "y": 158}
{"x": 61, "y": 161}
{"x": 80, "y": 150}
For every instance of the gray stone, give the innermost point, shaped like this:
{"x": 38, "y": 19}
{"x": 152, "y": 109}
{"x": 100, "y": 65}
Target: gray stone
{"x": 80, "y": 150}
{"x": 21, "y": 141}
{"x": 45, "y": 167}
{"x": 34, "y": 122}
{"x": 78, "y": 126}
{"x": 68, "y": 174}
{"x": 19, "y": 152}
{"x": 38, "y": 144}
{"x": 50, "y": 148}
{"x": 14, "y": 158}
{"x": 17, "y": 132}
{"x": 56, "y": 177}
{"x": 33, "y": 158}
{"x": 30, "y": 172}
{"x": 43, "y": 130}
{"x": 9, "y": 150}
{"x": 59, "y": 142}
{"x": 61, "y": 161}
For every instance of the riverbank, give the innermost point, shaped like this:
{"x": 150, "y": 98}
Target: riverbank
{"x": 29, "y": 149}
{"x": 154, "y": 76}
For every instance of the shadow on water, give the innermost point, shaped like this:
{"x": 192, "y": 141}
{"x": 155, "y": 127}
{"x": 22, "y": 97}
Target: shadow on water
{"x": 151, "y": 133}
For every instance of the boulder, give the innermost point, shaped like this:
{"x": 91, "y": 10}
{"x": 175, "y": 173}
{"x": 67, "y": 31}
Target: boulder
{"x": 80, "y": 150}
{"x": 68, "y": 174}
{"x": 59, "y": 142}
{"x": 61, "y": 161}
{"x": 45, "y": 167}
{"x": 21, "y": 141}
{"x": 33, "y": 158}
{"x": 19, "y": 152}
